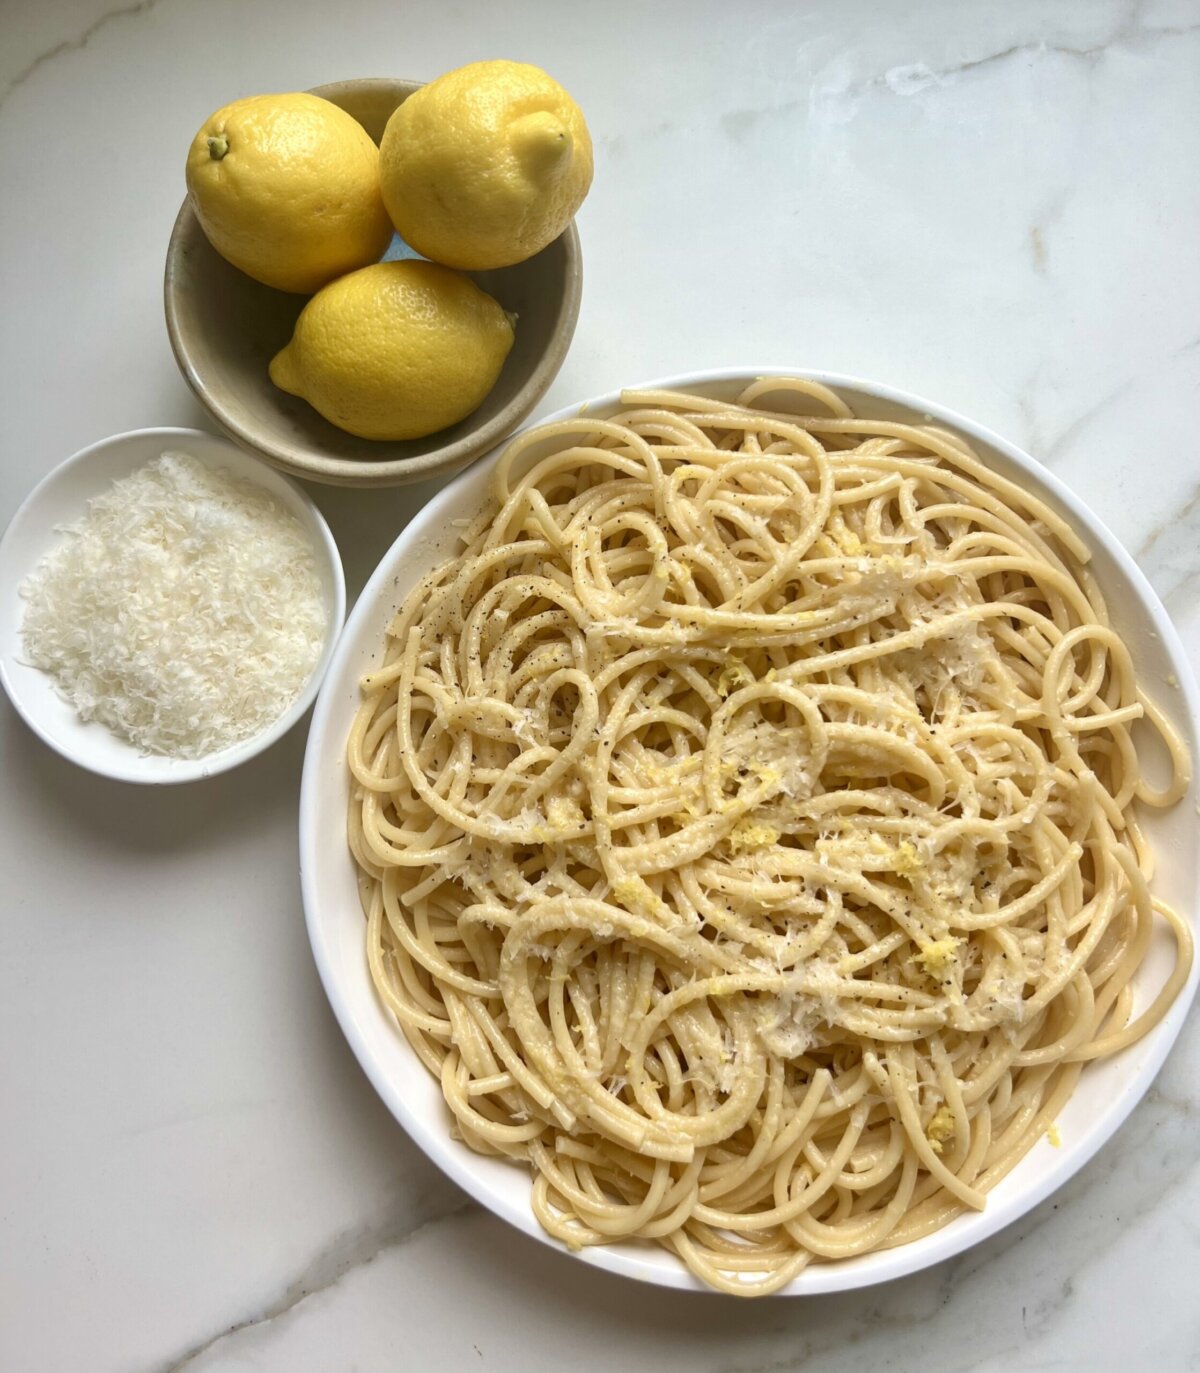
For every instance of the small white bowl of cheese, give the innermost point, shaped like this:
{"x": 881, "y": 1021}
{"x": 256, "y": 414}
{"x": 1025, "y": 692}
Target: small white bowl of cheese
{"x": 169, "y": 608}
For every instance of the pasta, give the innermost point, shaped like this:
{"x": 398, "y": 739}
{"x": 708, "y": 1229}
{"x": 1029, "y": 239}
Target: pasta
{"x": 746, "y": 828}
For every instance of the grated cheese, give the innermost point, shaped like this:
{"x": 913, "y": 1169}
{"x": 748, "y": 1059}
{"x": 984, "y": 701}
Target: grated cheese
{"x": 184, "y": 611}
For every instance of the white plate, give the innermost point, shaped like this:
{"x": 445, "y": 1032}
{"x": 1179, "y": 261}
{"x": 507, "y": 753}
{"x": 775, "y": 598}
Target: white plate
{"x": 1108, "y": 1090}
{"x": 61, "y": 498}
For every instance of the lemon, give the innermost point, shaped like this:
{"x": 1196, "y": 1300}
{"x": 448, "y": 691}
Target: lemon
{"x": 486, "y": 165}
{"x": 286, "y": 187}
{"x": 396, "y": 351}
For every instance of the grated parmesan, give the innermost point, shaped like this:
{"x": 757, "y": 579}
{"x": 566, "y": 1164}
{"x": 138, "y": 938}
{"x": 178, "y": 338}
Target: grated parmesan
{"x": 184, "y": 611}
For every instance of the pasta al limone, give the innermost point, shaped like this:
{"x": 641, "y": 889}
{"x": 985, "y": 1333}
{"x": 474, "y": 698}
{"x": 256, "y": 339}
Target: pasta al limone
{"x": 746, "y": 828}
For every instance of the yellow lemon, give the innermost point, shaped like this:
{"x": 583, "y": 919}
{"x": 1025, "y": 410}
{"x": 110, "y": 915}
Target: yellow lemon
{"x": 286, "y": 187}
{"x": 486, "y": 165}
{"x": 396, "y": 351}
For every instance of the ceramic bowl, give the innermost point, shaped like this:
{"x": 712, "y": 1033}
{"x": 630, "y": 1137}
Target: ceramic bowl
{"x": 1108, "y": 1090}
{"x": 60, "y": 499}
{"x": 225, "y": 328}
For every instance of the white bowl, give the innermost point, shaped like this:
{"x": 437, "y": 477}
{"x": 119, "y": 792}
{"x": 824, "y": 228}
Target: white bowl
{"x": 61, "y": 498}
{"x": 1108, "y": 1090}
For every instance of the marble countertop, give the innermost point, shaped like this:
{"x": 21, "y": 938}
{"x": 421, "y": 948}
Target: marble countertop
{"x": 992, "y": 205}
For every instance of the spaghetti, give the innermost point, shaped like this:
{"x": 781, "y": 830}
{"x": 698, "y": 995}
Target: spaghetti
{"x": 746, "y": 833}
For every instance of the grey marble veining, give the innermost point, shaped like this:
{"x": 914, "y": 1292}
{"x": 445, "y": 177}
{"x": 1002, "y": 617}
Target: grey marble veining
{"x": 992, "y": 205}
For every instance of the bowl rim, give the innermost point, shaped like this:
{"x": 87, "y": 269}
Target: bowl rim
{"x": 453, "y": 1157}
{"x": 446, "y": 458}
{"x": 154, "y": 769}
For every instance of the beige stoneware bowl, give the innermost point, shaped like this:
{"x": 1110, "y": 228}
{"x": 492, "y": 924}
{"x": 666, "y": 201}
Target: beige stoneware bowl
{"x": 225, "y": 328}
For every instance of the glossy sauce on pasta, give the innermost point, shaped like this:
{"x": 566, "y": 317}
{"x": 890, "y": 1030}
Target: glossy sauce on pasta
{"x": 746, "y": 832}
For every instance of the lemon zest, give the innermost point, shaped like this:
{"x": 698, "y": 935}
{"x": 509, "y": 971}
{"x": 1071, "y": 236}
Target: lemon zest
{"x": 940, "y": 1129}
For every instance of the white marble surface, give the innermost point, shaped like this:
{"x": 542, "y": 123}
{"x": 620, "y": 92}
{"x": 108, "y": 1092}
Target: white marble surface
{"x": 995, "y": 205}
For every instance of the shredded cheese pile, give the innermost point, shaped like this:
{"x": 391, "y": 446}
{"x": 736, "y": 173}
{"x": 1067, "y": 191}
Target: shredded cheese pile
{"x": 184, "y": 610}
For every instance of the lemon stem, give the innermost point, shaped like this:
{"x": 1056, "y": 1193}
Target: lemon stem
{"x": 218, "y": 146}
